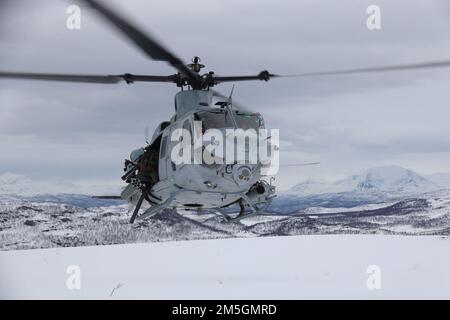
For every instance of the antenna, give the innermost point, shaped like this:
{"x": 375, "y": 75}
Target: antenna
{"x": 146, "y": 134}
{"x": 231, "y": 93}
{"x": 230, "y": 98}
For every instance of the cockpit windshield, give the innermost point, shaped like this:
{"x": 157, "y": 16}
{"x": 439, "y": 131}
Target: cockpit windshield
{"x": 221, "y": 118}
{"x": 247, "y": 120}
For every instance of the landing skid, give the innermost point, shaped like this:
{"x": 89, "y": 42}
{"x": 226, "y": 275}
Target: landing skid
{"x": 243, "y": 216}
{"x": 154, "y": 209}
{"x": 150, "y": 212}
{"x": 255, "y": 210}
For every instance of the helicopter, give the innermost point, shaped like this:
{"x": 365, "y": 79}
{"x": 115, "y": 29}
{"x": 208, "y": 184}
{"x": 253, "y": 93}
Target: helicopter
{"x": 154, "y": 180}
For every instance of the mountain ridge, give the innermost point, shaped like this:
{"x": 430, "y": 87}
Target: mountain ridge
{"x": 386, "y": 179}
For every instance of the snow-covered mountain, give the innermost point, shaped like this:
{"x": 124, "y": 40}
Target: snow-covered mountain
{"x": 378, "y": 182}
{"x": 395, "y": 180}
{"x": 22, "y": 186}
{"x": 374, "y": 186}
{"x": 15, "y": 184}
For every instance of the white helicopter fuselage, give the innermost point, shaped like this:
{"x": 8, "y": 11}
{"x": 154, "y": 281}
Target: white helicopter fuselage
{"x": 191, "y": 185}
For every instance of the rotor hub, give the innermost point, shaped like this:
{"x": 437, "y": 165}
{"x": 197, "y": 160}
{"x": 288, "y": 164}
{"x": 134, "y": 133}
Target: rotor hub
{"x": 196, "y": 66}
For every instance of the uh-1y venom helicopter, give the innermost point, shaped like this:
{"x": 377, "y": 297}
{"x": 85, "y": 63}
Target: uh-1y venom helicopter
{"x": 151, "y": 175}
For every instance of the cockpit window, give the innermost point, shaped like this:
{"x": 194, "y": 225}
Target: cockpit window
{"x": 213, "y": 119}
{"x": 247, "y": 120}
{"x": 221, "y": 119}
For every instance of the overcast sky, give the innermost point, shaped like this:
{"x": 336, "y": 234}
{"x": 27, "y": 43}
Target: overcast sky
{"x": 82, "y": 132}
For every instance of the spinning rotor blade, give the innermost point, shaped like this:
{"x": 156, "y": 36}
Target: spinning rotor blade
{"x": 187, "y": 74}
{"x": 61, "y": 77}
{"x": 404, "y": 67}
{"x": 83, "y": 78}
{"x": 265, "y": 75}
{"x": 145, "y": 42}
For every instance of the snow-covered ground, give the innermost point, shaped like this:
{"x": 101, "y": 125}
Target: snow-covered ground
{"x": 322, "y": 266}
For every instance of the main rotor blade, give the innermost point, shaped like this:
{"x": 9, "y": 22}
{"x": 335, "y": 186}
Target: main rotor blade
{"x": 404, "y": 67}
{"x": 145, "y": 42}
{"x": 105, "y": 79}
{"x": 83, "y": 78}
{"x": 263, "y": 75}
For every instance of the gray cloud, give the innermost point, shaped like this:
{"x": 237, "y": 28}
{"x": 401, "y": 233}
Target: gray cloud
{"x": 346, "y": 122}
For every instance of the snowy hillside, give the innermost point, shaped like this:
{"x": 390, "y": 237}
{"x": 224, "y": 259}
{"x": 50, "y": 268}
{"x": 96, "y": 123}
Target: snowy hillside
{"x": 45, "y": 225}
